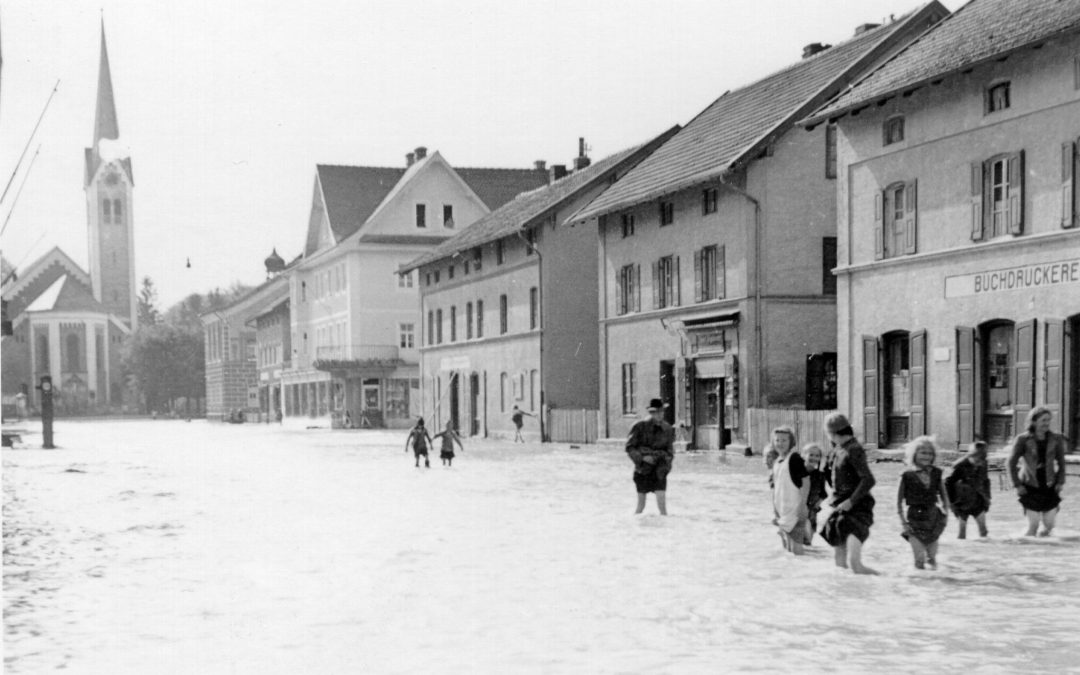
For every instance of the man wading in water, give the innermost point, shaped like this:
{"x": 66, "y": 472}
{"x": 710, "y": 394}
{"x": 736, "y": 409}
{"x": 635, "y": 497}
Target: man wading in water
{"x": 650, "y": 448}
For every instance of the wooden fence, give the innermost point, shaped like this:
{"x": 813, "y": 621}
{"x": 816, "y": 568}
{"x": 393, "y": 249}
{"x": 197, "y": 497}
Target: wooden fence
{"x": 573, "y": 426}
{"x": 808, "y": 425}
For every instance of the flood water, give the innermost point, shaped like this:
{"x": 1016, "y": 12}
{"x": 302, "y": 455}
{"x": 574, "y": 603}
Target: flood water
{"x": 173, "y": 547}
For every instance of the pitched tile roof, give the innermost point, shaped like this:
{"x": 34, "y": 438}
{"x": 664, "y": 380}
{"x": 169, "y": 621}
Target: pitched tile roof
{"x": 496, "y": 187}
{"x": 67, "y": 294}
{"x": 352, "y": 193}
{"x": 978, "y": 31}
{"x": 732, "y": 127}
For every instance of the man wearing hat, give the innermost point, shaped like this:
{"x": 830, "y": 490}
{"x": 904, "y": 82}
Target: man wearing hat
{"x": 650, "y": 448}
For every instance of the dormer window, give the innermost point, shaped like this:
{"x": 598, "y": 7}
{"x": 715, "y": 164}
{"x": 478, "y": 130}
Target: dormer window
{"x": 894, "y": 130}
{"x": 997, "y": 97}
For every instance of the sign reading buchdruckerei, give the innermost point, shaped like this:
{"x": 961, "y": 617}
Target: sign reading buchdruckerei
{"x": 1019, "y": 278}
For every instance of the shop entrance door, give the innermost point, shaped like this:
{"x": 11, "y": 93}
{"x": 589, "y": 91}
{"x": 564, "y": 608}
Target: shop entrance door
{"x": 709, "y": 413}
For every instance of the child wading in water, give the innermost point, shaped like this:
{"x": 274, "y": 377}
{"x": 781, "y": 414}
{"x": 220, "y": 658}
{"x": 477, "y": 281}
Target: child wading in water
{"x": 420, "y": 440}
{"x": 849, "y": 524}
{"x": 968, "y": 487}
{"x": 449, "y": 437}
{"x": 517, "y": 416}
{"x": 920, "y": 488}
{"x": 791, "y": 486}
{"x": 813, "y": 456}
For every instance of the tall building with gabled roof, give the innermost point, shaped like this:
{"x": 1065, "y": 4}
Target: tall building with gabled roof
{"x": 69, "y": 323}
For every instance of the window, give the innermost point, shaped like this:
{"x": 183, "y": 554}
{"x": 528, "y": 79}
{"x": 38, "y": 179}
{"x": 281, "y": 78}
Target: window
{"x": 405, "y": 280}
{"x": 450, "y": 272}
{"x": 478, "y": 258}
{"x": 997, "y": 196}
{"x": 503, "y": 382}
{"x": 438, "y": 326}
{"x": 627, "y": 225}
{"x": 997, "y": 97}
{"x": 830, "y": 151}
{"x": 667, "y": 213}
{"x": 453, "y": 323}
{"x": 629, "y": 384}
{"x": 502, "y": 315}
{"x": 118, "y": 211}
{"x": 828, "y": 263}
{"x": 530, "y": 241}
{"x": 709, "y": 274}
{"x": 628, "y": 289}
{"x": 479, "y": 318}
{"x": 73, "y": 353}
{"x": 303, "y": 291}
{"x": 534, "y": 308}
{"x": 894, "y": 221}
{"x": 421, "y": 215}
{"x": 448, "y": 215}
{"x": 427, "y": 279}
{"x": 107, "y": 210}
{"x": 499, "y": 252}
{"x": 468, "y": 321}
{"x": 430, "y": 327}
{"x": 665, "y": 282}
{"x": 709, "y": 198}
{"x": 436, "y": 276}
{"x": 893, "y": 130}
{"x": 1070, "y": 196}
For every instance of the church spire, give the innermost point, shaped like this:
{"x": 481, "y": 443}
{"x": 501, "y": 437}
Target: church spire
{"x": 105, "y": 124}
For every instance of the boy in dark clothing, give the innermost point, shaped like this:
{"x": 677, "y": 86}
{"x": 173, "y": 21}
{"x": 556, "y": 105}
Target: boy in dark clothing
{"x": 420, "y": 440}
{"x": 650, "y": 446}
{"x": 517, "y": 416}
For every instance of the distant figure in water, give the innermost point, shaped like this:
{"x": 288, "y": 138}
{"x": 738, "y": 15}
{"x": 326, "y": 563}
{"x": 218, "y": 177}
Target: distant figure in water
{"x": 449, "y": 437}
{"x": 813, "y": 455}
{"x": 1037, "y": 469}
{"x": 517, "y": 416}
{"x": 420, "y": 440}
{"x": 968, "y": 487}
{"x": 651, "y": 449}
{"x": 921, "y": 488}
{"x": 791, "y": 486}
{"x": 848, "y": 527}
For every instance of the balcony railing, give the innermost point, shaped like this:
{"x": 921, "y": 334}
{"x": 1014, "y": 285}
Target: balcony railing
{"x": 356, "y": 355}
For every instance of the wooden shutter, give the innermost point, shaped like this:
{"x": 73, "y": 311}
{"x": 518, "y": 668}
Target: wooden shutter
{"x": 1053, "y": 364}
{"x": 917, "y": 361}
{"x": 965, "y": 385}
{"x": 637, "y": 287}
{"x": 910, "y": 217}
{"x": 978, "y": 226}
{"x": 656, "y": 285}
{"x": 676, "y": 285}
{"x": 1016, "y": 193}
{"x": 1023, "y": 375}
{"x": 698, "y": 256}
{"x": 879, "y": 225}
{"x": 1068, "y": 204}
{"x": 870, "y": 390}
{"x": 721, "y": 273}
{"x": 620, "y": 297}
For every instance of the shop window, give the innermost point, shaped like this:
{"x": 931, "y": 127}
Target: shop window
{"x": 821, "y": 381}
{"x": 997, "y": 196}
{"x": 665, "y": 273}
{"x": 895, "y": 221}
{"x": 629, "y": 386}
{"x": 998, "y": 97}
{"x": 627, "y": 225}
{"x": 709, "y": 274}
{"x": 628, "y": 289}
{"x": 893, "y": 130}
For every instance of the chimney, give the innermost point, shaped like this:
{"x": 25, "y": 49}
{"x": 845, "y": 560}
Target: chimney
{"x": 421, "y": 152}
{"x": 556, "y": 172}
{"x": 409, "y": 159}
{"x": 813, "y": 48}
{"x": 540, "y": 164}
{"x": 582, "y": 160}
{"x": 862, "y": 28}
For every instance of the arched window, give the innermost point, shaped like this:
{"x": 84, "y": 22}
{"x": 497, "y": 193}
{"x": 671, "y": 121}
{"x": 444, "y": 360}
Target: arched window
{"x": 107, "y": 211}
{"x": 73, "y": 353}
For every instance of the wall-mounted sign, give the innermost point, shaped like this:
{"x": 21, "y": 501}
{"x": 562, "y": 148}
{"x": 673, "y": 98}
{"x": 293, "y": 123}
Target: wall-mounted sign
{"x": 1019, "y": 278}
{"x": 454, "y": 363}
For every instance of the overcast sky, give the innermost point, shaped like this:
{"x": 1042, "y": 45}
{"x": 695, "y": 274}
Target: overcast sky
{"x": 227, "y": 106}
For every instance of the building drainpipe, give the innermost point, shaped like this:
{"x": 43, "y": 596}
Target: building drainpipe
{"x": 757, "y": 288}
{"x": 540, "y": 311}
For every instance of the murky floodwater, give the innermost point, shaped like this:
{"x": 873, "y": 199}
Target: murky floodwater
{"x": 172, "y": 547}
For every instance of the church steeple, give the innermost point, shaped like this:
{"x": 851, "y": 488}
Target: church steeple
{"x": 105, "y": 124}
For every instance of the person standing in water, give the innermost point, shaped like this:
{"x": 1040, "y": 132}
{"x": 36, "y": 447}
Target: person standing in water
{"x": 517, "y": 416}
{"x": 920, "y": 488}
{"x": 1037, "y": 469}
{"x": 848, "y": 527}
{"x": 791, "y": 487}
{"x": 968, "y": 487}
{"x": 449, "y": 437}
{"x": 813, "y": 456}
{"x": 420, "y": 440}
{"x": 651, "y": 449}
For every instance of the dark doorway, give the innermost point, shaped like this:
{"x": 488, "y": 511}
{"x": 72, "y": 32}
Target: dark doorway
{"x": 455, "y": 401}
{"x": 998, "y": 381}
{"x": 1071, "y": 423}
{"x": 474, "y": 403}
{"x": 667, "y": 390}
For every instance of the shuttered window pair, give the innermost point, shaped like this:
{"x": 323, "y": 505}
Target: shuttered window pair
{"x": 709, "y": 274}
{"x": 665, "y": 282}
{"x": 896, "y": 220}
{"x": 997, "y": 196}
{"x": 628, "y": 289}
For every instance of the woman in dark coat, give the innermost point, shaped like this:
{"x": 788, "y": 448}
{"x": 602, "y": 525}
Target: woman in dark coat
{"x": 651, "y": 449}
{"x": 1037, "y": 469}
{"x": 968, "y": 487}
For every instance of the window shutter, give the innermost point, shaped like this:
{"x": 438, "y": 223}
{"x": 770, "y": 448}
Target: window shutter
{"x": 656, "y": 285}
{"x": 637, "y": 287}
{"x": 879, "y": 225}
{"x": 698, "y": 256}
{"x": 721, "y": 273}
{"x": 1054, "y": 396}
{"x": 965, "y": 385}
{"x": 1068, "y": 204}
{"x": 977, "y": 224}
{"x": 620, "y": 299}
{"x": 676, "y": 285}
{"x": 917, "y": 361}
{"x": 870, "y": 389}
{"x": 705, "y": 202}
{"x": 1016, "y": 193}
{"x": 1023, "y": 375}
{"x": 910, "y": 217}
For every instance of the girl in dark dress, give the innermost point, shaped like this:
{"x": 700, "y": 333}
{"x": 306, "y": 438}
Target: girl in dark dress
{"x": 920, "y": 488}
{"x": 814, "y": 455}
{"x": 449, "y": 437}
{"x": 849, "y": 524}
{"x": 1037, "y": 469}
{"x": 968, "y": 487}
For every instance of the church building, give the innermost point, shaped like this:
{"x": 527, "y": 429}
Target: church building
{"x": 67, "y": 322}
